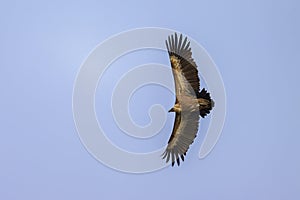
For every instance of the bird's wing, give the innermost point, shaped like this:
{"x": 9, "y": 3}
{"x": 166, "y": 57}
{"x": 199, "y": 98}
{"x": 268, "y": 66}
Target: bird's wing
{"x": 183, "y": 66}
{"x": 184, "y": 132}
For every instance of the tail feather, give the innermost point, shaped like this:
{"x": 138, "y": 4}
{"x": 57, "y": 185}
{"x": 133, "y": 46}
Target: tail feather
{"x": 205, "y": 110}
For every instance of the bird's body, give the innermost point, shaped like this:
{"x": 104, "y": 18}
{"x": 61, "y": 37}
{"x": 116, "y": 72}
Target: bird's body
{"x": 186, "y": 103}
{"x": 190, "y": 103}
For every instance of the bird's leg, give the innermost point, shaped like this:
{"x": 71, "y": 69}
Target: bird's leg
{"x": 203, "y": 102}
{"x": 205, "y": 106}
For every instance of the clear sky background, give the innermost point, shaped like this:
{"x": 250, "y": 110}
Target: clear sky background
{"x": 255, "y": 45}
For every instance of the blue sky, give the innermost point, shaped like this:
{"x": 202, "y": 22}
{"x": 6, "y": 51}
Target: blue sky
{"x": 255, "y": 45}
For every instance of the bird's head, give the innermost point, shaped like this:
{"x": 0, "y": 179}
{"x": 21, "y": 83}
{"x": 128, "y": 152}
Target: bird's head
{"x": 171, "y": 110}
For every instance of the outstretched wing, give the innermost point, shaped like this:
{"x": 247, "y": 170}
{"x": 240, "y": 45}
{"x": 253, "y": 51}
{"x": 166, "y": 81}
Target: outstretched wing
{"x": 183, "y": 66}
{"x": 184, "y": 132}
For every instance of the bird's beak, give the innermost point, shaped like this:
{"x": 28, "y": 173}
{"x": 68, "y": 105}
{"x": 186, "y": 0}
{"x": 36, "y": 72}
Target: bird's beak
{"x": 171, "y": 110}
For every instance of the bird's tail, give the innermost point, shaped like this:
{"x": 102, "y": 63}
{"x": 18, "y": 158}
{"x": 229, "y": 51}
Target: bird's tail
{"x": 205, "y": 103}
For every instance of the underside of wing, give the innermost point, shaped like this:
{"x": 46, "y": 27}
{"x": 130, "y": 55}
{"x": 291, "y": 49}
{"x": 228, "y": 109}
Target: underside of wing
{"x": 184, "y": 132}
{"x": 183, "y": 65}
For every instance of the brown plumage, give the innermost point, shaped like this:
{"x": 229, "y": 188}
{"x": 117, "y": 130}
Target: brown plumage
{"x": 190, "y": 103}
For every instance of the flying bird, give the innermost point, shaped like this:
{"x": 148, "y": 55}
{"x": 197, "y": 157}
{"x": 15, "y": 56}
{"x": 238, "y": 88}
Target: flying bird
{"x": 190, "y": 103}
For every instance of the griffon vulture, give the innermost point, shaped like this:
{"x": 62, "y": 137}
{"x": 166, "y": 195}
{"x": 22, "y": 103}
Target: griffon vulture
{"x": 190, "y": 103}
